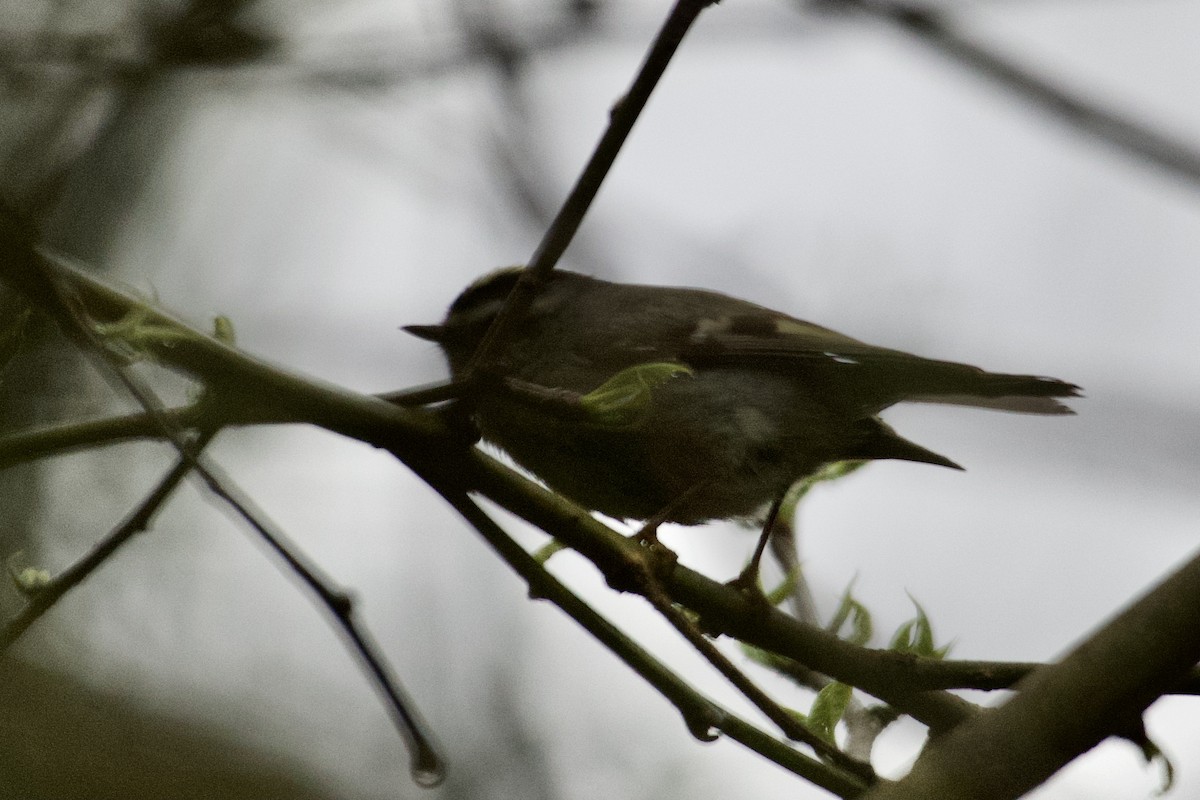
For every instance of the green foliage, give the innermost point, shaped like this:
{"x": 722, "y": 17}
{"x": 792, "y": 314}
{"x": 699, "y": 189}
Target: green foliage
{"x": 135, "y": 335}
{"x": 772, "y": 661}
{"x": 28, "y": 580}
{"x": 915, "y": 637}
{"x": 621, "y": 400}
{"x": 854, "y": 612}
{"x": 828, "y": 472}
{"x": 827, "y": 710}
{"x": 783, "y": 591}
{"x": 223, "y": 330}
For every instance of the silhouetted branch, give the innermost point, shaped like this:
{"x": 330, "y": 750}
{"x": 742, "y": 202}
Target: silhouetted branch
{"x": 427, "y": 766}
{"x": 701, "y": 715}
{"x": 570, "y": 215}
{"x": 40, "y": 278}
{"x": 442, "y": 460}
{"x": 1099, "y": 689}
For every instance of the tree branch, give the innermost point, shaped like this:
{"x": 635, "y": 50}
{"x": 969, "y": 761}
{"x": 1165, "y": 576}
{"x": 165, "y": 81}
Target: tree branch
{"x": 42, "y": 598}
{"x": 453, "y": 468}
{"x": 1100, "y": 689}
{"x": 566, "y": 222}
{"x": 700, "y": 714}
{"x": 43, "y": 281}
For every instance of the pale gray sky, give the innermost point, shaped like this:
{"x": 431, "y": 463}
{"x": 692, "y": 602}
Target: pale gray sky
{"x": 831, "y": 168}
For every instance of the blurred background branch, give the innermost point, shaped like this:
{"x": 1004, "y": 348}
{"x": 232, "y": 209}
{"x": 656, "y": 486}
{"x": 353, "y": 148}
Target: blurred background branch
{"x": 935, "y": 28}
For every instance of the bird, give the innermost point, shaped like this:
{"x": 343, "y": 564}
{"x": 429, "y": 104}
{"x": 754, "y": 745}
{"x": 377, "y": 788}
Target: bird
{"x": 734, "y": 402}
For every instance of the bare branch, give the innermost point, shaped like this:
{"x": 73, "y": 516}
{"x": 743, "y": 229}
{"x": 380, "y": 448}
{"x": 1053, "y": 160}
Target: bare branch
{"x": 41, "y": 279}
{"x": 569, "y": 217}
{"x": 653, "y": 591}
{"x": 701, "y": 715}
{"x": 41, "y": 599}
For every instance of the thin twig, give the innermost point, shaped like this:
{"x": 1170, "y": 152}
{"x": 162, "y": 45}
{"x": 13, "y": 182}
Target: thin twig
{"x": 788, "y": 723}
{"x": 41, "y": 599}
{"x": 427, "y": 766}
{"x": 700, "y": 714}
{"x": 18, "y": 447}
{"x": 21, "y": 447}
{"x": 566, "y": 222}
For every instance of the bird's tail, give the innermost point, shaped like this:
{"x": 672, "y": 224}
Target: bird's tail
{"x": 961, "y": 385}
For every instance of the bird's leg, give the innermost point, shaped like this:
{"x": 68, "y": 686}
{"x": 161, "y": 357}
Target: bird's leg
{"x": 748, "y": 580}
{"x": 647, "y": 535}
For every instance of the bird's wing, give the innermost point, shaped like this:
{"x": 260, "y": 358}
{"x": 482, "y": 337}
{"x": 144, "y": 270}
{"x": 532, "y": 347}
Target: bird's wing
{"x": 855, "y": 374}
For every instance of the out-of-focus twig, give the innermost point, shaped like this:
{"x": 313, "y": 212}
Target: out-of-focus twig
{"x": 42, "y": 598}
{"x": 39, "y": 278}
{"x": 1122, "y": 131}
{"x": 427, "y": 765}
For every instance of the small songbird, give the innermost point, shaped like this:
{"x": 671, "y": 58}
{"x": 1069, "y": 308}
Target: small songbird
{"x": 751, "y": 401}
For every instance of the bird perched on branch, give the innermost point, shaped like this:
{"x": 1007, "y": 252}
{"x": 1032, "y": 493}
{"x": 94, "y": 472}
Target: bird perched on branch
{"x": 682, "y": 405}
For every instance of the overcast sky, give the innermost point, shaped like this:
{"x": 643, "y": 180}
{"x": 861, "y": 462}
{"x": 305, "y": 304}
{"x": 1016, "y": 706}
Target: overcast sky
{"x": 829, "y": 167}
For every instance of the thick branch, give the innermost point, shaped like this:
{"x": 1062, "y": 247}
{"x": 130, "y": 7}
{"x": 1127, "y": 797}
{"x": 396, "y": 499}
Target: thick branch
{"x": 1100, "y": 689}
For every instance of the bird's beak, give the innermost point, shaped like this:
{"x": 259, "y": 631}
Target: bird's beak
{"x": 430, "y": 333}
